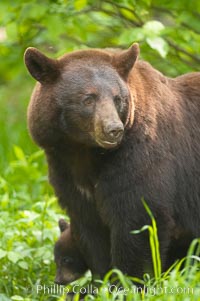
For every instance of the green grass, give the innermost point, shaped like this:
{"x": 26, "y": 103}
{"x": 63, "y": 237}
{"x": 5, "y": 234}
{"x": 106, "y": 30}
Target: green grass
{"x": 28, "y": 225}
{"x": 29, "y": 216}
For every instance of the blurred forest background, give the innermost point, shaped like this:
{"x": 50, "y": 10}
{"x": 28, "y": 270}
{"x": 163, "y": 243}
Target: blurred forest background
{"x": 169, "y": 36}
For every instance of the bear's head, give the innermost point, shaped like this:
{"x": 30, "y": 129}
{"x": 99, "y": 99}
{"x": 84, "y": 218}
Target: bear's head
{"x": 69, "y": 261}
{"x": 83, "y": 97}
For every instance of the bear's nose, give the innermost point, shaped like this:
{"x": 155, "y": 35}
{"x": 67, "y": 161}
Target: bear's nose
{"x": 115, "y": 132}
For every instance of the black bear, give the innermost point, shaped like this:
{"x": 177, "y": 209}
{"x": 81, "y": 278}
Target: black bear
{"x": 69, "y": 261}
{"x": 115, "y": 130}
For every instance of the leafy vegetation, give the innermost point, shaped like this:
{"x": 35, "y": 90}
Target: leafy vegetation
{"x": 169, "y": 36}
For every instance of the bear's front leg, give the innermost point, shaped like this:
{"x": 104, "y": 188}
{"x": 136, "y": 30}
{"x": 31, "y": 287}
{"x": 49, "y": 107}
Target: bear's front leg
{"x": 130, "y": 253}
{"x": 93, "y": 237}
{"x": 94, "y": 241}
{"x": 123, "y": 212}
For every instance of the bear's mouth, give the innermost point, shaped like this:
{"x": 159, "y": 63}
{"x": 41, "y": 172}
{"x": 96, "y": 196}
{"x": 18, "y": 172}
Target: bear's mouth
{"x": 107, "y": 144}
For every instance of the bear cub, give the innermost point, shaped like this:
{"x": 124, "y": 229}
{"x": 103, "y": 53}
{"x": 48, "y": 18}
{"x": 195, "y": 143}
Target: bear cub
{"x": 68, "y": 258}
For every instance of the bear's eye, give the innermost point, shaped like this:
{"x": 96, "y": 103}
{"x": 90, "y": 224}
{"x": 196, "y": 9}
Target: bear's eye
{"x": 67, "y": 260}
{"x": 89, "y": 100}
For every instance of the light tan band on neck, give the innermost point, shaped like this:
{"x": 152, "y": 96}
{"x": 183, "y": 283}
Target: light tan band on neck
{"x": 131, "y": 110}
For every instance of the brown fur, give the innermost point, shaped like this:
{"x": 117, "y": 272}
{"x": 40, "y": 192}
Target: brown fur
{"x": 99, "y": 179}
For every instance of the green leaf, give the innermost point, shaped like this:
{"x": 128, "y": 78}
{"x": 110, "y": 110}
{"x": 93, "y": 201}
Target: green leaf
{"x": 14, "y": 256}
{"x": 153, "y": 27}
{"x": 2, "y": 253}
{"x": 158, "y": 44}
{"x": 19, "y": 153}
{"x": 144, "y": 228}
{"x": 17, "y": 298}
{"x": 80, "y": 4}
{"x": 131, "y": 35}
{"x": 23, "y": 265}
{"x": 33, "y": 11}
{"x": 148, "y": 210}
{"x": 36, "y": 155}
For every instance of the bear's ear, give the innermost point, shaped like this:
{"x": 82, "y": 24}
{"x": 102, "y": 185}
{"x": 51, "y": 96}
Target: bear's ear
{"x": 125, "y": 60}
{"x": 63, "y": 225}
{"x": 42, "y": 68}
